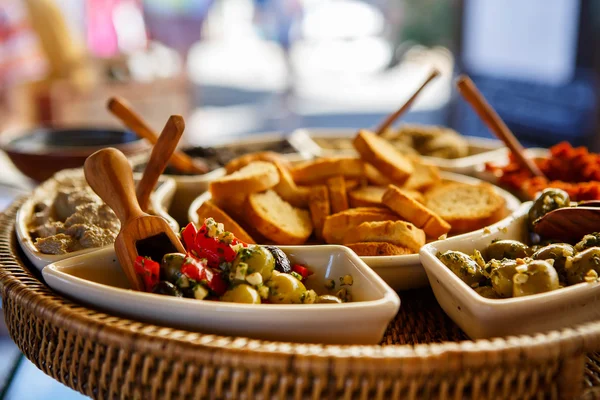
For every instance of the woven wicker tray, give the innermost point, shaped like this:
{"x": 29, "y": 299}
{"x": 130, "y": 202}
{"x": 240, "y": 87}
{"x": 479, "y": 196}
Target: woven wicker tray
{"x": 423, "y": 354}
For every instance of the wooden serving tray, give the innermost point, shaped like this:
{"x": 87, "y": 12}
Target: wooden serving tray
{"x": 423, "y": 355}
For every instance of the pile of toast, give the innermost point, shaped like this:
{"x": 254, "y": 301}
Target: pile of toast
{"x": 380, "y": 203}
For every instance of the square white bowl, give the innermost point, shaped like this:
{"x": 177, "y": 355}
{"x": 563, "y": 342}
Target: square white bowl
{"x": 160, "y": 200}
{"x": 481, "y": 317}
{"x": 97, "y": 280}
{"x": 484, "y": 149}
{"x": 400, "y": 272}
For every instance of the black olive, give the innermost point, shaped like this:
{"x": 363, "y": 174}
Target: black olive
{"x": 282, "y": 263}
{"x": 166, "y": 288}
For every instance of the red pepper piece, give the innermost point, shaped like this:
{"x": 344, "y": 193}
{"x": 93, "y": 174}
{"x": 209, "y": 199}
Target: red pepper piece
{"x": 149, "y": 270}
{"x": 188, "y": 236}
{"x": 195, "y": 269}
{"x": 302, "y": 270}
{"x": 218, "y": 284}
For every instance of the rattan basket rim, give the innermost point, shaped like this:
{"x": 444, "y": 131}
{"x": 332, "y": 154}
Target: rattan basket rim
{"x": 18, "y": 285}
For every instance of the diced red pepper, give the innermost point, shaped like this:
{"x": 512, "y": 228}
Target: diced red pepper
{"x": 149, "y": 270}
{"x": 218, "y": 284}
{"x": 195, "y": 269}
{"x": 188, "y": 236}
{"x": 302, "y": 270}
{"x": 214, "y": 250}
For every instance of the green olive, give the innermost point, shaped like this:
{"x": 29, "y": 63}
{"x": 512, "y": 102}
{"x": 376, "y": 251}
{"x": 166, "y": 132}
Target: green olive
{"x": 559, "y": 252}
{"x": 487, "y": 292}
{"x": 579, "y": 265}
{"x": 550, "y": 199}
{"x": 591, "y": 240}
{"x": 507, "y": 249}
{"x": 328, "y": 298}
{"x": 242, "y": 293}
{"x": 463, "y": 266}
{"x": 502, "y": 277}
{"x": 258, "y": 259}
{"x": 536, "y": 277}
{"x": 285, "y": 289}
{"x": 170, "y": 266}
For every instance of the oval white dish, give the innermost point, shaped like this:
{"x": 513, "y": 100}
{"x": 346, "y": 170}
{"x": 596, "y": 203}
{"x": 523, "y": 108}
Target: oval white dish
{"x": 481, "y": 317}
{"x": 400, "y": 272}
{"x": 96, "y": 279}
{"x": 160, "y": 201}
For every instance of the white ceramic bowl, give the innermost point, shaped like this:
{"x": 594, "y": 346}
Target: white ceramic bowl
{"x": 160, "y": 201}
{"x": 480, "y": 317}
{"x": 484, "y": 149}
{"x": 96, "y": 279}
{"x": 400, "y": 272}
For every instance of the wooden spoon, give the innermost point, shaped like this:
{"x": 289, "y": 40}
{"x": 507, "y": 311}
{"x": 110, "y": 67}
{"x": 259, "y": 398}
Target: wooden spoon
{"x": 161, "y": 153}
{"x": 108, "y": 172}
{"x": 570, "y": 223}
{"x": 473, "y": 96}
{"x": 394, "y": 116}
{"x": 120, "y": 109}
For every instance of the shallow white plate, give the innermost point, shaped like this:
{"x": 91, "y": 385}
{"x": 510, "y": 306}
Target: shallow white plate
{"x": 480, "y": 317}
{"x": 485, "y": 149}
{"x": 160, "y": 201}
{"x": 400, "y": 272}
{"x": 97, "y": 280}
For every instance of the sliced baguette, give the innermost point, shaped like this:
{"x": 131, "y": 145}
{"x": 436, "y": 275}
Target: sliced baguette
{"x": 374, "y": 177}
{"x": 255, "y": 177}
{"x": 315, "y": 171}
{"x": 337, "y": 194}
{"x": 370, "y": 249}
{"x": 466, "y": 207}
{"x": 269, "y": 156}
{"x": 424, "y": 177}
{"x": 320, "y": 208}
{"x": 209, "y": 210}
{"x": 400, "y": 233}
{"x": 371, "y": 196}
{"x": 383, "y": 156}
{"x": 278, "y": 220}
{"x": 287, "y": 188}
{"x": 415, "y": 212}
{"x": 338, "y": 224}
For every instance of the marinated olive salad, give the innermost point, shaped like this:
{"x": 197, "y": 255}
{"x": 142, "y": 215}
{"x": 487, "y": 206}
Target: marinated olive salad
{"x": 218, "y": 266}
{"x": 509, "y": 268}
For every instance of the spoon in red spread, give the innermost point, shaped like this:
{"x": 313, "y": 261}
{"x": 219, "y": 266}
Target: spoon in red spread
{"x": 570, "y": 223}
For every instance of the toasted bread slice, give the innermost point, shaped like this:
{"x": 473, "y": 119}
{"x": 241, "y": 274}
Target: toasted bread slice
{"x": 424, "y": 177}
{"x": 287, "y": 188}
{"x": 383, "y": 156}
{"x": 354, "y": 184}
{"x": 278, "y": 220}
{"x": 400, "y": 233}
{"x": 338, "y": 224}
{"x": 370, "y": 196}
{"x": 320, "y": 207}
{"x": 374, "y": 177}
{"x": 310, "y": 172}
{"x": 369, "y": 249}
{"x": 209, "y": 210}
{"x": 337, "y": 194}
{"x": 269, "y": 156}
{"x": 255, "y": 177}
{"x": 466, "y": 207}
{"x": 415, "y": 212}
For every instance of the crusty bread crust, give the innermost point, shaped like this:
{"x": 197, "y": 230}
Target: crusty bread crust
{"x": 263, "y": 212}
{"x": 337, "y": 194}
{"x": 415, "y": 212}
{"x": 423, "y": 177}
{"x": 320, "y": 208}
{"x": 400, "y": 233}
{"x": 383, "y": 156}
{"x": 371, "y": 249}
{"x": 338, "y": 224}
{"x": 287, "y": 188}
{"x": 374, "y": 177}
{"x": 209, "y": 210}
{"x": 315, "y": 171}
{"x": 269, "y": 156}
{"x": 371, "y": 196}
{"x": 255, "y": 177}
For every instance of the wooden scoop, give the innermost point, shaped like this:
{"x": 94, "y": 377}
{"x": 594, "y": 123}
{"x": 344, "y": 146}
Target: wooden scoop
{"x": 488, "y": 115}
{"x": 570, "y": 223}
{"x": 108, "y": 172}
{"x": 161, "y": 153}
{"x": 184, "y": 163}
{"x": 394, "y": 116}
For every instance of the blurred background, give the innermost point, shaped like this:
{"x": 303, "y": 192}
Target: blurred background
{"x": 235, "y": 67}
